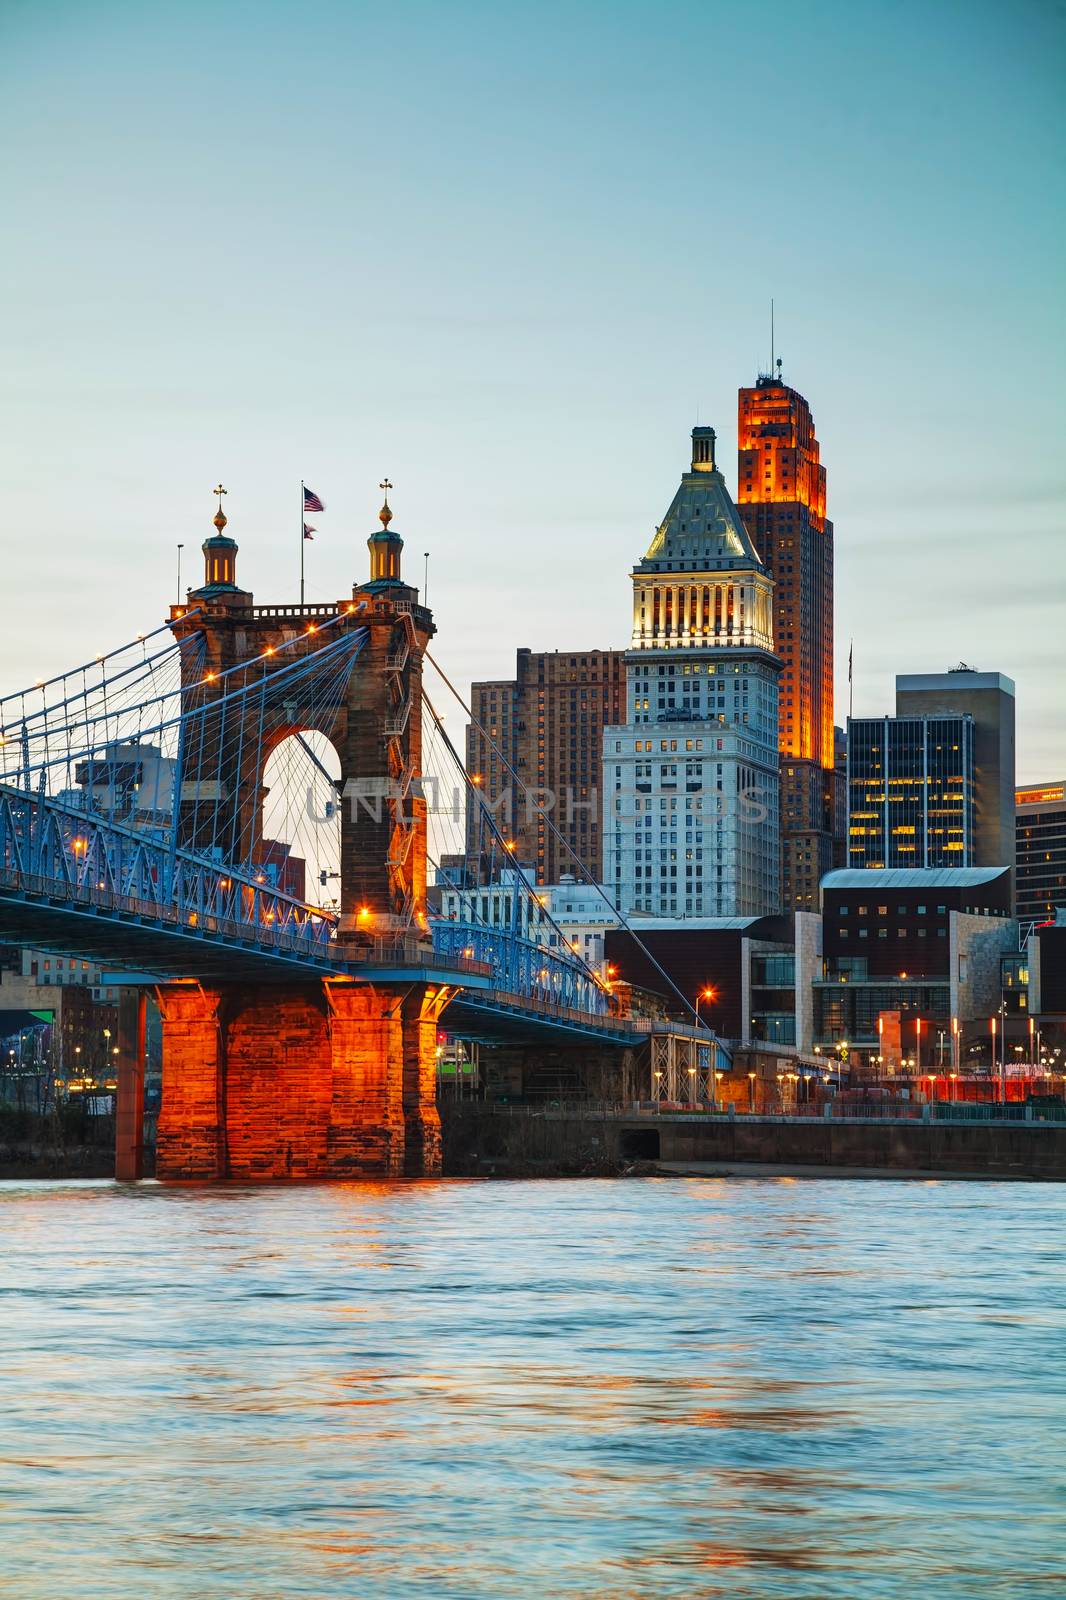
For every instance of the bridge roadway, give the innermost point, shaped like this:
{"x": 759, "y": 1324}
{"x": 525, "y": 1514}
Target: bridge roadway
{"x": 69, "y": 911}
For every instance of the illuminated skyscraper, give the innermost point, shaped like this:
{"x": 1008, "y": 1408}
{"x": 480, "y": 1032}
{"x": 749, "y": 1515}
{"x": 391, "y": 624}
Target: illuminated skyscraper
{"x": 781, "y": 497}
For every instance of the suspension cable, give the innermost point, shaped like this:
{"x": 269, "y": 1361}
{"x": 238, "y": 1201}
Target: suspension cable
{"x": 574, "y": 857}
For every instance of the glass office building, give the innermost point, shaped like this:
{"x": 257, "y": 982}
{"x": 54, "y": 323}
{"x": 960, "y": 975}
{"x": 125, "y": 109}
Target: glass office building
{"x": 911, "y": 791}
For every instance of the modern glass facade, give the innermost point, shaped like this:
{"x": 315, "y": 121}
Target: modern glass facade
{"x": 773, "y": 996}
{"x": 849, "y": 1010}
{"x": 911, "y": 791}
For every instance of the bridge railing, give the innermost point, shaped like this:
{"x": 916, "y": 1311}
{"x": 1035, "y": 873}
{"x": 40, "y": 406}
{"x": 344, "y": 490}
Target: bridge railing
{"x": 49, "y": 851}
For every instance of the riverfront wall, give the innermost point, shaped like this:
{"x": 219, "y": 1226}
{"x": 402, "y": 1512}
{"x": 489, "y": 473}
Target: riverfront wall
{"x": 518, "y": 1141}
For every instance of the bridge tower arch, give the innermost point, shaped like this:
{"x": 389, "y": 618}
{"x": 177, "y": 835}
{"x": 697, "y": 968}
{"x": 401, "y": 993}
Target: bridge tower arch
{"x": 373, "y": 720}
{"x": 327, "y": 1078}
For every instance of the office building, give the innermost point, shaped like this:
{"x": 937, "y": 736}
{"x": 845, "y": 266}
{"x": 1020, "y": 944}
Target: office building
{"x": 781, "y": 496}
{"x": 840, "y": 798}
{"x": 741, "y": 970}
{"x": 911, "y": 787}
{"x": 1040, "y": 832}
{"x": 535, "y": 741}
{"x": 987, "y": 697}
{"x": 690, "y": 779}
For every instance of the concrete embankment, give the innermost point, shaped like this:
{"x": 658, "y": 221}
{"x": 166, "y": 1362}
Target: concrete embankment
{"x": 521, "y": 1141}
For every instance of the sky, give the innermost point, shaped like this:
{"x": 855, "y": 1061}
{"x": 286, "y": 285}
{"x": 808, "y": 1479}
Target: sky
{"x": 507, "y": 256}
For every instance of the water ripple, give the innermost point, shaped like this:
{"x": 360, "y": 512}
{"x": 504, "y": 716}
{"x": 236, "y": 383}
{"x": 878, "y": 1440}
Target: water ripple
{"x": 455, "y": 1390}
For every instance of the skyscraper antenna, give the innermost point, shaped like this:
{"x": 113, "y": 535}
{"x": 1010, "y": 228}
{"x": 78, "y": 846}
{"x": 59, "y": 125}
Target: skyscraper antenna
{"x": 771, "y": 336}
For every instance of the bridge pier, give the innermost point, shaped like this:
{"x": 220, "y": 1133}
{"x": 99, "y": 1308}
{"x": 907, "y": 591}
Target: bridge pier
{"x": 331, "y": 1079}
{"x": 129, "y": 1095}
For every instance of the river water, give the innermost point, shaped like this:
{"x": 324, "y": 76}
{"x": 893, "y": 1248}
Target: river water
{"x": 742, "y": 1387}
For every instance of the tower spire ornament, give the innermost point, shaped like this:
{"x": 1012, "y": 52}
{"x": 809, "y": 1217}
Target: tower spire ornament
{"x": 385, "y": 547}
{"x": 385, "y": 514}
{"x": 220, "y": 557}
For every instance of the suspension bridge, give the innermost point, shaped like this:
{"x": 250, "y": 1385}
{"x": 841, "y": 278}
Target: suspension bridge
{"x": 232, "y": 809}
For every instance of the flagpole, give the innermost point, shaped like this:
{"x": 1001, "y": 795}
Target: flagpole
{"x": 302, "y": 541}
{"x": 851, "y": 682}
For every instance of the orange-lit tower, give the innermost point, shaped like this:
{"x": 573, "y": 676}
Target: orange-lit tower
{"x": 781, "y": 497}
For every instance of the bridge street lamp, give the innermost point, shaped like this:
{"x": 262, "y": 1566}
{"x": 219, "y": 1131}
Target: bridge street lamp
{"x": 708, "y": 993}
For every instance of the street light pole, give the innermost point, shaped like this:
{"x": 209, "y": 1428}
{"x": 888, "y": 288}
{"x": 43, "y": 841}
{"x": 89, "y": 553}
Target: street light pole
{"x": 992, "y": 1021}
{"x": 709, "y": 993}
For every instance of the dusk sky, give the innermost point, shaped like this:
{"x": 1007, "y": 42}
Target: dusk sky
{"x": 505, "y": 255}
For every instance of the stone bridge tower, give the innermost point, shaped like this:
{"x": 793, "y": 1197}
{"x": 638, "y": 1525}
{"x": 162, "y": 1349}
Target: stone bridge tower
{"x": 317, "y": 1079}
{"x": 375, "y": 727}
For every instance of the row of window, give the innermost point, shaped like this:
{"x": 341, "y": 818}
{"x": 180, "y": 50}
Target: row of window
{"x": 901, "y": 911}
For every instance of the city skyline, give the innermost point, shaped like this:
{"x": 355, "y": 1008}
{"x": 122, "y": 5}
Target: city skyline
{"x": 223, "y": 269}
{"x": 460, "y": 463}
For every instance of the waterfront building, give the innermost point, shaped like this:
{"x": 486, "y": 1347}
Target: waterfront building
{"x": 781, "y": 496}
{"x": 891, "y": 960}
{"x": 1040, "y": 832}
{"x": 907, "y": 947}
{"x": 911, "y": 792}
{"x": 741, "y": 971}
{"x": 536, "y": 740}
{"x": 690, "y": 778}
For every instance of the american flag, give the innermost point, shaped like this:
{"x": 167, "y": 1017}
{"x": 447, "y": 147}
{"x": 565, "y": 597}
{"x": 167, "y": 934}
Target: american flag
{"x": 311, "y": 500}
{"x": 309, "y": 532}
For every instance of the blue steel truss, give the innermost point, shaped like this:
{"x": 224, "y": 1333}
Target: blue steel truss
{"x": 518, "y": 966}
{"x": 55, "y": 856}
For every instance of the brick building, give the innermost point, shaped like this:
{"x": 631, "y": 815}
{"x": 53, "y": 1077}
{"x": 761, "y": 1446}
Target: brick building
{"x": 539, "y": 735}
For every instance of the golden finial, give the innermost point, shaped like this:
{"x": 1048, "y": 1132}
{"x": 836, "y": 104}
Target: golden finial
{"x": 385, "y": 514}
{"x": 219, "y": 518}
